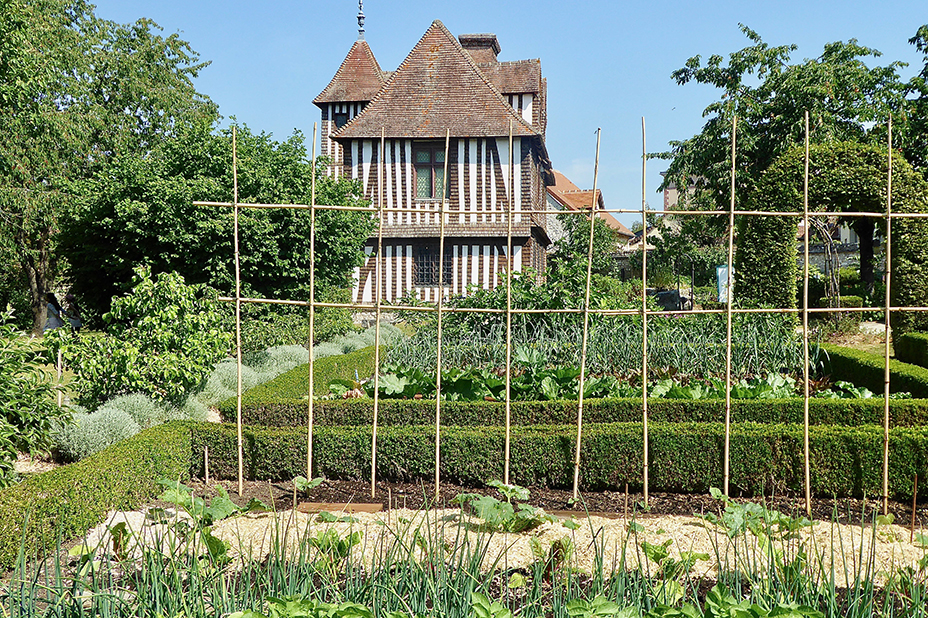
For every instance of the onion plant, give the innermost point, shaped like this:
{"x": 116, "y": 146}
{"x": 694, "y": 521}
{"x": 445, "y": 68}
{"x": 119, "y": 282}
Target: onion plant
{"x": 434, "y": 564}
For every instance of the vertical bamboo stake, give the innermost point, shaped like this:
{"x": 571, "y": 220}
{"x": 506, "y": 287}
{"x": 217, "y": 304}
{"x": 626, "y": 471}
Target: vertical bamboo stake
{"x": 206, "y": 465}
{"x": 441, "y": 295}
{"x": 586, "y": 320}
{"x": 378, "y": 291}
{"x": 238, "y": 320}
{"x": 644, "y": 313}
{"x": 59, "y": 368}
{"x": 887, "y": 270}
{"x": 914, "y": 494}
{"x": 312, "y": 313}
{"x": 730, "y": 299}
{"x": 509, "y": 270}
{"x": 805, "y": 329}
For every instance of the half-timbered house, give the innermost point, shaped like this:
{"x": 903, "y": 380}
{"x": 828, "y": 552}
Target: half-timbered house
{"x": 388, "y": 130}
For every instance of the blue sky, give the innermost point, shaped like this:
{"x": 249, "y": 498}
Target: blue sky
{"x": 607, "y": 63}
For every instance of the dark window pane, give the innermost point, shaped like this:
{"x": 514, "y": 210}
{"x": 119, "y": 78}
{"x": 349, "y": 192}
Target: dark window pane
{"x": 423, "y": 182}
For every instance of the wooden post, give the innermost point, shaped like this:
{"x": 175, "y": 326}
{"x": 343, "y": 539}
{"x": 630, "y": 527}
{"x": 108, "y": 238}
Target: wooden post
{"x": 914, "y": 495}
{"x": 805, "y": 329}
{"x": 888, "y": 271}
{"x": 644, "y": 314}
{"x": 378, "y": 290}
{"x": 509, "y": 268}
{"x": 441, "y": 296}
{"x": 310, "y": 404}
{"x": 238, "y": 321}
{"x": 728, "y": 305}
{"x": 586, "y": 321}
{"x": 59, "y": 368}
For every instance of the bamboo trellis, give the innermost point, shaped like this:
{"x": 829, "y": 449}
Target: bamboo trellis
{"x": 379, "y": 306}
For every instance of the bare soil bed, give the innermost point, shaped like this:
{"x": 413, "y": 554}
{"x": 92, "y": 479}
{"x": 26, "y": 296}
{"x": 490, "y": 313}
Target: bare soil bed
{"x": 416, "y": 496}
{"x": 835, "y": 543}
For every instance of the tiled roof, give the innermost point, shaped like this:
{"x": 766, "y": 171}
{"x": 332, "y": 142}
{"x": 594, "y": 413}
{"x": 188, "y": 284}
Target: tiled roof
{"x": 357, "y": 79}
{"x": 516, "y": 77}
{"x": 573, "y": 198}
{"x": 438, "y": 87}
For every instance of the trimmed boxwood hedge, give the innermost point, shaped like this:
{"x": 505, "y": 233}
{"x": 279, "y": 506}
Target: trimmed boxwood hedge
{"x": 684, "y": 456}
{"x": 865, "y": 369}
{"x": 912, "y": 348}
{"x": 359, "y": 412}
{"x": 69, "y": 500}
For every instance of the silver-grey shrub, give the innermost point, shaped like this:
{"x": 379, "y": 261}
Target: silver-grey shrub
{"x": 94, "y": 432}
{"x": 143, "y": 410}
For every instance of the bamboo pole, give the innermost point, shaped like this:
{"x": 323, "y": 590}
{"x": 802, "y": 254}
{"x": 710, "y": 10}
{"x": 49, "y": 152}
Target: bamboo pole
{"x": 611, "y": 312}
{"x": 441, "y": 295}
{"x": 378, "y": 272}
{"x": 728, "y": 309}
{"x": 509, "y": 215}
{"x": 644, "y": 314}
{"x": 586, "y": 322}
{"x": 310, "y": 421}
{"x": 914, "y": 496}
{"x": 805, "y": 328}
{"x": 797, "y": 214}
{"x": 238, "y": 321}
{"x": 59, "y": 370}
{"x": 887, "y": 270}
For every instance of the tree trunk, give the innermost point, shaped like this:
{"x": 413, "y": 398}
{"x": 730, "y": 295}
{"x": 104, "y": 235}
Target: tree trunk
{"x": 37, "y": 266}
{"x": 864, "y": 226}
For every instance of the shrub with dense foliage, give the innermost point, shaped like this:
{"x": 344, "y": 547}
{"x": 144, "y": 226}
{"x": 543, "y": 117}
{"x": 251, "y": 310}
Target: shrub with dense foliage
{"x": 912, "y": 348}
{"x": 291, "y": 411}
{"x": 844, "y": 176}
{"x": 28, "y": 413}
{"x": 764, "y": 457}
{"x": 868, "y": 370}
{"x": 162, "y": 339}
{"x": 69, "y": 500}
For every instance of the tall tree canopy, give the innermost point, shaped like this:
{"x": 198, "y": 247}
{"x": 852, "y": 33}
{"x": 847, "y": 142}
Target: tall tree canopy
{"x": 847, "y": 101}
{"x": 76, "y": 91}
{"x": 139, "y": 210}
{"x": 915, "y": 148}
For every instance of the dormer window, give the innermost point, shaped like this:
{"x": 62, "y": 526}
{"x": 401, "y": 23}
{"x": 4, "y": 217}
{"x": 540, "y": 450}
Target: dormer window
{"x": 341, "y": 119}
{"x": 430, "y": 169}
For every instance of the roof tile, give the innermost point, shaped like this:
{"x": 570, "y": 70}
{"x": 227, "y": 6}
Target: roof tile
{"x": 438, "y": 87}
{"x": 357, "y": 79}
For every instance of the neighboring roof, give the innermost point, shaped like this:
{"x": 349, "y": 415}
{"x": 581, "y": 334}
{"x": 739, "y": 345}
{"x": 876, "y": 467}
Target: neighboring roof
{"x": 571, "y": 197}
{"x": 438, "y": 87}
{"x": 357, "y": 79}
{"x": 515, "y": 77}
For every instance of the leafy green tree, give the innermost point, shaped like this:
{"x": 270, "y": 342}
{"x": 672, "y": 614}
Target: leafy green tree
{"x": 75, "y": 91}
{"x": 161, "y": 340}
{"x": 139, "y": 210}
{"x": 28, "y": 412}
{"x": 843, "y": 176}
{"x": 915, "y": 148}
{"x": 576, "y": 244}
{"x": 846, "y": 101}
{"x": 684, "y": 250}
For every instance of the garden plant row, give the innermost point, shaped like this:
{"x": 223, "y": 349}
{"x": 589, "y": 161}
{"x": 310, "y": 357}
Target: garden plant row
{"x": 764, "y": 458}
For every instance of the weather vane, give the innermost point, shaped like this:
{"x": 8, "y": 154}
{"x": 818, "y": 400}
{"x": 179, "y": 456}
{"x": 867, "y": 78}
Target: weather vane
{"x": 360, "y": 19}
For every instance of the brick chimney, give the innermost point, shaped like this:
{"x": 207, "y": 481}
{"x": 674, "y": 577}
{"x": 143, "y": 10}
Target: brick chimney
{"x": 483, "y": 48}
